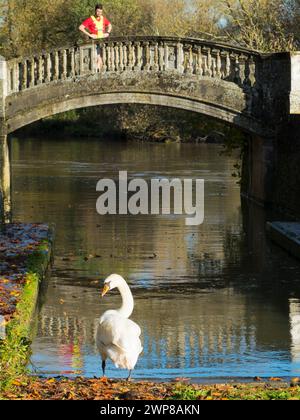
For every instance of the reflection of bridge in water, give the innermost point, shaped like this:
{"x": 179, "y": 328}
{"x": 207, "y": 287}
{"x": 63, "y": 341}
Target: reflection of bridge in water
{"x": 181, "y": 343}
{"x": 172, "y": 338}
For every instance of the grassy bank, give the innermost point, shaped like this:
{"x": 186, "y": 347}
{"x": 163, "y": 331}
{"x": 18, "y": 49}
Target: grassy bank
{"x": 15, "y": 346}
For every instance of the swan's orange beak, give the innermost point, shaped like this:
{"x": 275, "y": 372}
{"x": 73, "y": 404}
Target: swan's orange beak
{"x": 105, "y": 290}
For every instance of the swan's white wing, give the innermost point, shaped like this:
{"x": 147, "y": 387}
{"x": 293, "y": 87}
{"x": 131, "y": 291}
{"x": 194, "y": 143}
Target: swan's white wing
{"x": 118, "y": 339}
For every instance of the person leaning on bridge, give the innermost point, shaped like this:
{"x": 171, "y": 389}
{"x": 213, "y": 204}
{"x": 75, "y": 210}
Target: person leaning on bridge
{"x": 98, "y": 28}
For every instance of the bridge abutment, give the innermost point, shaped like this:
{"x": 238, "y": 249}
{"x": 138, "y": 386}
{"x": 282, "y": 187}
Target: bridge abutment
{"x": 286, "y": 190}
{"x": 5, "y": 176}
{"x": 258, "y": 170}
{"x": 5, "y": 180}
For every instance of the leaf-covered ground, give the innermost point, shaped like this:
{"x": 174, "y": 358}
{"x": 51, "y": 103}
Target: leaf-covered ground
{"x": 17, "y": 242}
{"x": 28, "y": 388}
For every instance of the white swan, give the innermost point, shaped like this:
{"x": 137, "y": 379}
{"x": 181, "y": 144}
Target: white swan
{"x": 117, "y": 336}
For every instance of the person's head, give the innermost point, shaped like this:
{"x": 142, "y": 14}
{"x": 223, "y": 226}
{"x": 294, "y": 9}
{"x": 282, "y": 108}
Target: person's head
{"x": 98, "y": 10}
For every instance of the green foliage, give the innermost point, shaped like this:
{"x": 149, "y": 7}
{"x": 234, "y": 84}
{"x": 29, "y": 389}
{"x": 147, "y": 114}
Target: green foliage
{"x": 234, "y": 392}
{"x": 187, "y": 392}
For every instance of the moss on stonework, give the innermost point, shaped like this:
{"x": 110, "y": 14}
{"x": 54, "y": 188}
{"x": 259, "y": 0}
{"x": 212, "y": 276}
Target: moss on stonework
{"x": 15, "y": 348}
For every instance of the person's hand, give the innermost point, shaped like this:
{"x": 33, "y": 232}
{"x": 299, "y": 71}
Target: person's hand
{"x": 93, "y": 36}
{"x": 106, "y": 35}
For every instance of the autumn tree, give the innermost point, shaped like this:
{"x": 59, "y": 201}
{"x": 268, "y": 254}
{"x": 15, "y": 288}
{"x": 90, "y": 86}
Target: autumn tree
{"x": 263, "y": 25}
{"x": 208, "y": 20}
{"x": 33, "y": 25}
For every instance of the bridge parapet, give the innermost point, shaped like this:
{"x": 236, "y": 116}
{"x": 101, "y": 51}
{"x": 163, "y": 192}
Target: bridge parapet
{"x": 190, "y": 56}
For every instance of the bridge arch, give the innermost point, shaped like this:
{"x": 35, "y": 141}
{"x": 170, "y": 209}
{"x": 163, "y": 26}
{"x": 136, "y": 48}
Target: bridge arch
{"x": 225, "y": 115}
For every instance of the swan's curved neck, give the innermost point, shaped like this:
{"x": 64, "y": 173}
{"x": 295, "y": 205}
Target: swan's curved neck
{"x": 127, "y": 301}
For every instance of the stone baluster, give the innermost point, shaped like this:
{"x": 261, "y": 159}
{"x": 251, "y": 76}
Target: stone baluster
{"x": 213, "y": 66}
{"x": 72, "y": 62}
{"x": 56, "y": 66}
{"x": 108, "y": 57}
{"x": 209, "y": 63}
{"x": 179, "y": 58}
{"x": 117, "y": 56}
{"x": 147, "y": 57}
{"x": 125, "y": 56}
{"x": 190, "y": 60}
{"x": 109, "y": 66}
{"x": 161, "y": 55}
{"x": 139, "y": 57}
{"x": 48, "y": 68}
{"x": 133, "y": 56}
{"x": 155, "y": 66}
{"x": 64, "y": 65}
{"x": 32, "y": 72}
{"x": 205, "y": 67}
{"x": 237, "y": 75}
{"x": 242, "y": 68}
{"x": 121, "y": 56}
{"x": 40, "y": 70}
{"x": 104, "y": 58}
{"x": 222, "y": 64}
{"x": 199, "y": 69}
{"x": 166, "y": 57}
{"x": 81, "y": 61}
{"x": 93, "y": 58}
{"x": 218, "y": 64}
{"x": 228, "y": 65}
{"x": 130, "y": 56}
{"x": 112, "y": 57}
{"x": 251, "y": 79}
{"x": 24, "y": 75}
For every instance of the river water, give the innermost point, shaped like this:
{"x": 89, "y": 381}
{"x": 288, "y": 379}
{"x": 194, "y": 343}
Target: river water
{"x": 217, "y": 300}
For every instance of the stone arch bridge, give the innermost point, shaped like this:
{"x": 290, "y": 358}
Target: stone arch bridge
{"x": 255, "y": 92}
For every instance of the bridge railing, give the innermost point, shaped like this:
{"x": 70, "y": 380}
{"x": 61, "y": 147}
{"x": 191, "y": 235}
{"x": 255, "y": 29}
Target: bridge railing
{"x": 194, "y": 57}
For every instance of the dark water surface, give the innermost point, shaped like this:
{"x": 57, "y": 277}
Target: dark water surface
{"x": 216, "y": 300}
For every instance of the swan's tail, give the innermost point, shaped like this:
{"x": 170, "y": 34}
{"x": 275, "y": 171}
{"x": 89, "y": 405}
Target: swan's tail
{"x": 124, "y": 358}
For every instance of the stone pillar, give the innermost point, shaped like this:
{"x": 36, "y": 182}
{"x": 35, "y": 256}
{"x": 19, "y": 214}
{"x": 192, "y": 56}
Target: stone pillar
{"x": 295, "y": 83}
{"x": 5, "y": 193}
{"x": 5, "y": 180}
{"x": 180, "y": 58}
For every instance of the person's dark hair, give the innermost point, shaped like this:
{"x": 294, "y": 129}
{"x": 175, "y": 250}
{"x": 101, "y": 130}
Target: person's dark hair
{"x": 99, "y": 6}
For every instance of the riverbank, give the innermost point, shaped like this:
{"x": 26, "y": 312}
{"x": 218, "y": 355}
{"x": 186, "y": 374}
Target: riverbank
{"x": 25, "y": 251}
{"x": 30, "y": 388}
